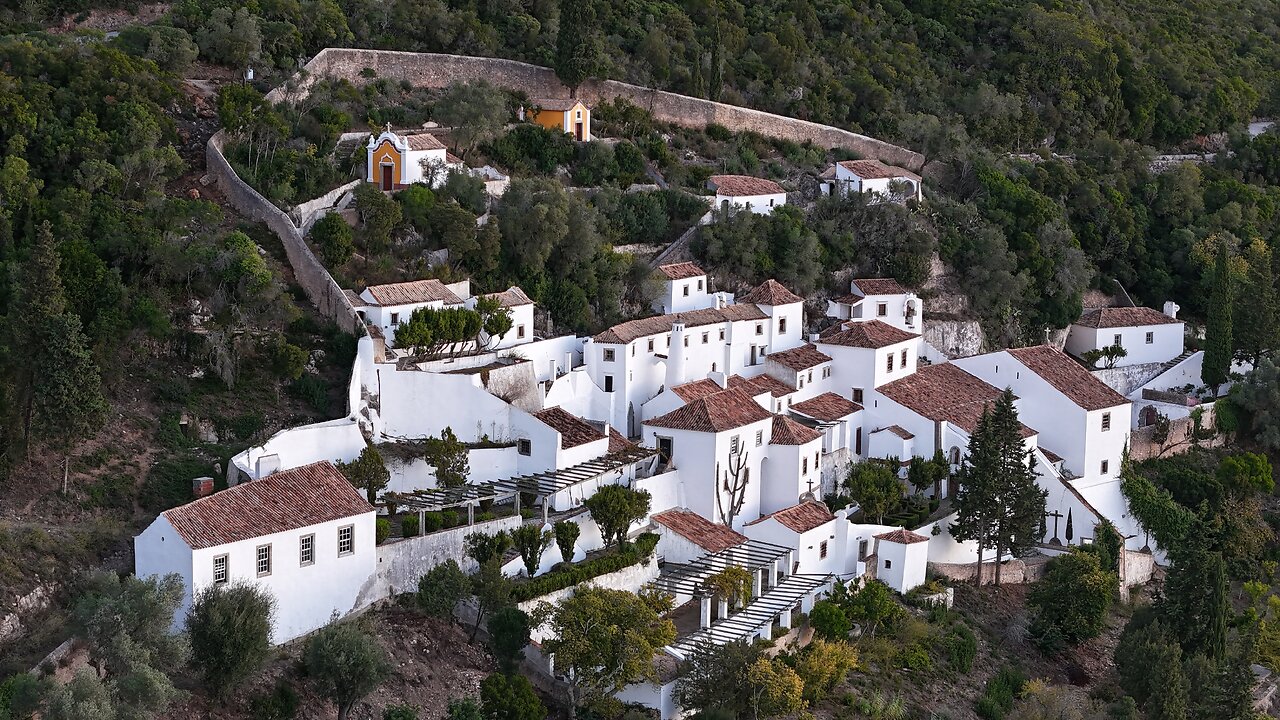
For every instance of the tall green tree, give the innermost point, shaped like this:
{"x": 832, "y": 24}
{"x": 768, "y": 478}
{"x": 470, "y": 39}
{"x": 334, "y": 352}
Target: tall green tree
{"x": 367, "y": 472}
{"x": 874, "y": 487}
{"x": 579, "y": 46}
{"x": 345, "y": 663}
{"x": 510, "y": 697}
{"x": 1195, "y": 602}
{"x": 1218, "y": 330}
{"x": 1256, "y": 326}
{"x": 615, "y": 508}
{"x": 450, "y": 457}
{"x": 475, "y": 111}
{"x": 1072, "y": 600}
{"x": 230, "y": 631}
{"x": 531, "y": 540}
{"x": 508, "y": 637}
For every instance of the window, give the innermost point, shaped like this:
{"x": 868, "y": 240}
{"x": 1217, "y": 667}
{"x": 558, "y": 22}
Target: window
{"x": 1151, "y": 338}
{"x": 810, "y": 376}
{"x": 686, "y": 341}
{"x": 650, "y": 344}
{"x": 1117, "y": 339}
{"x": 1106, "y": 421}
{"x": 346, "y": 540}
{"x": 633, "y": 350}
{"x": 888, "y": 362}
{"x": 882, "y": 309}
{"x": 862, "y": 549}
{"x": 733, "y": 445}
{"x": 826, "y": 372}
{"x": 721, "y": 334}
{"x": 664, "y": 449}
{"x": 699, "y": 284}
{"x": 608, "y": 383}
{"x": 395, "y": 318}
{"x": 1105, "y": 467}
{"x": 524, "y": 447}
{"x": 782, "y": 326}
{"x": 815, "y": 460}
{"x": 759, "y": 328}
{"x": 264, "y": 560}
{"x": 759, "y": 438}
{"x": 804, "y": 466}
{"x": 822, "y": 550}
{"x": 220, "y": 569}
{"x": 519, "y": 332}
{"x": 857, "y": 395}
{"x": 608, "y": 354}
{"x": 706, "y": 337}
{"x": 686, "y": 290}
{"x": 306, "y": 550}
{"x": 801, "y": 382}
{"x": 904, "y": 359}
{"x": 888, "y": 564}
{"x": 770, "y": 202}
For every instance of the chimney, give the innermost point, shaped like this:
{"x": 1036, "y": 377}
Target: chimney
{"x": 1171, "y": 309}
{"x": 719, "y": 378}
{"x": 675, "y": 356}
{"x": 814, "y": 337}
{"x": 202, "y": 486}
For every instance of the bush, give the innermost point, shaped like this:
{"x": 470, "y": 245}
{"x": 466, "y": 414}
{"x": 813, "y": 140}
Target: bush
{"x": 1000, "y": 693}
{"x": 335, "y": 239}
{"x": 440, "y": 589}
{"x": 916, "y": 657}
{"x": 279, "y": 704}
{"x": 382, "y": 531}
{"x": 511, "y": 697}
{"x": 431, "y": 522}
{"x": 962, "y": 648}
{"x": 400, "y": 712}
{"x": 409, "y": 526}
{"x": 572, "y": 575}
{"x": 312, "y": 390}
{"x": 829, "y": 621}
{"x": 450, "y": 519}
{"x": 230, "y": 633}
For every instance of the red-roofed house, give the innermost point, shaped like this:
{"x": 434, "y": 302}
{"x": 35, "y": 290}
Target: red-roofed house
{"x": 306, "y": 535}
{"x": 686, "y": 287}
{"x": 396, "y": 161}
{"x": 1147, "y": 335}
{"x": 753, "y": 194}
{"x": 517, "y": 303}
{"x": 388, "y": 306}
{"x": 816, "y": 537}
{"x": 684, "y": 535}
{"x": 793, "y": 467}
{"x": 867, "y": 355}
{"x": 902, "y": 557}
{"x": 880, "y": 299}
{"x": 881, "y": 182}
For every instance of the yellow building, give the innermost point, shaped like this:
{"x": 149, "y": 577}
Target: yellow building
{"x": 565, "y": 115}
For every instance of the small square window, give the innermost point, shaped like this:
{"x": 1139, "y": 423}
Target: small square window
{"x": 782, "y": 326}
{"x": 1105, "y": 467}
{"x": 1117, "y": 339}
{"x": 220, "y": 575}
{"x": 888, "y": 564}
{"x": 395, "y": 318}
{"x": 1151, "y": 338}
{"x": 519, "y": 332}
{"x": 686, "y": 291}
{"x": 608, "y": 354}
{"x": 857, "y": 395}
{"x": 1106, "y": 421}
{"x": 346, "y": 540}
{"x": 826, "y": 372}
{"x": 306, "y": 550}
{"x": 264, "y": 560}
{"x": 650, "y": 344}
{"x": 759, "y": 328}
{"x": 882, "y": 309}
{"x": 822, "y": 550}
{"x": 524, "y": 447}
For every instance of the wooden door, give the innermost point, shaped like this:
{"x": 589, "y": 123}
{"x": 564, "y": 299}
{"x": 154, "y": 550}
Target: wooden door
{"x": 388, "y": 182}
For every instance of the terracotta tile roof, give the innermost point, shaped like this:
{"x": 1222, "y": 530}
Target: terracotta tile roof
{"x": 1051, "y": 455}
{"x": 902, "y": 536}
{"x": 423, "y": 141}
{"x": 896, "y": 430}
{"x": 354, "y": 298}
{"x": 700, "y": 531}
{"x": 945, "y": 392}
{"x": 770, "y": 292}
{"x": 801, "y": 518}
{"x": 417, "y": 291}
{"x": 560, "y": 104}
{"x": 828, "y": 174}
{"x": 623, "y": 333}
{"x": 511, "y": 297}
{"x": 1124, "y": 317}
{"x": 827, "y": 407}
{"x": 875, "y": 170}
{"x": 800, "y": 358}
{"x": 789, "y": 432}
{"x": 878, "y": 286}
{"x": 452, "y": 159}
{"x": 743, "y": 185}
{"x": 574, "y": 431}
{"x": 287, "y": 500}
{"x": 681, "y": 270}
{"x": 1068, "y": 377}
{"x": 871, "y": 334}
{"x": 618, "y": 443}
{"x": 698, "y": 388}
{"x": 725, "y": 410}
{"x": 761, "y": 384}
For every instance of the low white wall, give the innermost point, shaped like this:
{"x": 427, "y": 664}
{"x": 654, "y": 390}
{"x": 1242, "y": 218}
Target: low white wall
{"x": 1125, "y": 380}
{"x": 334, "y": 440}
{"x": 402, "y": 562}
{"x": 664, "y": 489}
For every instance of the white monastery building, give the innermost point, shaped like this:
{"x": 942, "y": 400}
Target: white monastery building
{"x": 878, "y": 181}
{"x": 1147, "y": 335}
{"x": 882, "y": 299}
{"x": 754, "y": 194}
{"x": 306, "y": 535}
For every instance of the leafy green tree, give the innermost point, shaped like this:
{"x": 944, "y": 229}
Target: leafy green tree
{"x": 1246, "y": 473}
{"x": 1195, "y": 602}
{"x": 928, "y": 474}
{"x": 566, "y": 532}
{"x": 345, "y": 663}
{"x": 475, "y": 111}
{"x": 737, "y": 680}
{"x": 1218, "y": 331}
{"x": 442, "y": 588}
{"x": 510, "y": 697}
{"x": 84, "y": 698}
{"x": 578, "y": 44}
{"x": 335, "y": 239}
{"x": 508, "y": 636}
{"x": 367, "y": 472}
{"x": 874, "y": 487}
{"x": 450, "y": 457}
{"x": 400, "y": 712}
{"x": 604, "y": 640}
{"x": 485, "y": 547}
{"x": 380, "y": 215}
{"x": 465, "y": 709}
{"x": 531, "y": 540}
{"x": 21, "y": 696}
{"x": 492, "y": 590}
{"x": 872, "y": 604}
{"x": 231, "y": 38}
{"x": 1072, "y": 600}
{"x": 1256, "y": 326}
{"x": 615, "y": 508}
{"x": 829, "y": 621}
{"x": 230, "y": 630}
{"x": 1259, "y": 396}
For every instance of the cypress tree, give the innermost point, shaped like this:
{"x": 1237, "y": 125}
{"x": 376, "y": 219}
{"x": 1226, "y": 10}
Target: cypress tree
{"x": 1255, "y": 325}
{"x": 1020, "y": 501}
{"x": 1195, "y": 601}
{"x": 1217, "y": 334}
{"x": 1169, "y": 697}
{"x": 578, "y": 44}
{"x": 975, "y": 501}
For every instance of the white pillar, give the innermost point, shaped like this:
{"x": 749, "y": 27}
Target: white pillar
{"x": 471, "y": 514}
{"x": 704, "y": 617}
{"x": 757, "y": 582}
{"x": 806, "y": 603}
{"x": 784, "y": 618}
{"x": 722, "y": 609}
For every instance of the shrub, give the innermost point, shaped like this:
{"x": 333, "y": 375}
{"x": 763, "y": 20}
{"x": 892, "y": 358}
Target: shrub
{"x": 409, "y": 526}
{"x": 311, "y": 389}
{"x": 718, "y": 132}
{"x": 281, "y": 703}
{"x": 829, "y": 621}
{"x": 440, "y": 589}
{"x": 431, "y": 522}
{"x": 510, "y": 697}
{"x": 230, "y": 634}
{"x": 572, "y": 575}
{"x": 566, "y": 532}
{"x": 335, "y": 239}
{"x": 916, "y": 657}
{"x": 450, "y": 519}
{"x": 382, "y": 530}
{"x": 962, "y": 647}
{"x": 400, "y": 712}
{"x": 1000, "y": 693}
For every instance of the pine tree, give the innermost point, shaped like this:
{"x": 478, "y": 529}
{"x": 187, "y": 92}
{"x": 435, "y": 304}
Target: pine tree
{"x": 1169, "y": 697}
{"x": 1255, "y": 324}
{"x": 578, "y": 44}
{"x": 975, "y": 500}
{"x": 1217, "y": 333}
{"x": 1020, "y": 500}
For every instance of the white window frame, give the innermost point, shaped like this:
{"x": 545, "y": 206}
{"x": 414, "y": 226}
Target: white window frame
{"x": 524, "y": 446}
{"x": 1151, "y": 338}
{"x": 1106, "y": 422}
{"x": 226, "y": 569}
{"x": 262, "y": 559}
{"x": 307, "y": 550}
{"x": 350, "y": 531}
{"x": 609, "y": 355}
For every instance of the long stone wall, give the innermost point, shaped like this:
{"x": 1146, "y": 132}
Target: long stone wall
{"x": 435, "y": 70}
{"x": 319, "y": 285}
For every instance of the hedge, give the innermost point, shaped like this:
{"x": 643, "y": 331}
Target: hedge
{"x": 555, "y": 580}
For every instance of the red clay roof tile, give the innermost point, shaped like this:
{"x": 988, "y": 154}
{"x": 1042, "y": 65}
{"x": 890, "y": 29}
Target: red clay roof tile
{"x": 826, "y": 407}
{"x": 772, "y": 293}
{"x": 574, "y": 431}
{"x": 902, "y": 536}
{"x": 1125, "y": 317}
{"x": 743, "y": 185}
{"x": 945, "y": 392}
{"x": 698, "y": 388}
{"x": 873, "y": 334}
{"x": 800, "y": 358}
{"x": 801, "y": 518}
{"x": 416, "y": 291}
{"x": 1068, "y": 377}
{"x": 624, "y": 333}
{"x": 879, "y": 286}
{"x": 681, "y": 270}
{"x": 789, "y": 432}
{"x": 718, "y": 412}
{"x": 700, "y": 531}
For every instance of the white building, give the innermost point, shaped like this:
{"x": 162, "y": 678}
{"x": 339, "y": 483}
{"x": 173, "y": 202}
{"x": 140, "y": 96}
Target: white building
{"x": 388, "y": 306}
{"x": 816, "y": 537}
{"x": 792, "y": 468}
{"x": 396, "y": 161}
{"x": 881, "y": 182}
{"x": 684, "y": 288}
{"x": 514, "y": 301}
{"x": 867, "y": 355}
{"x": 882, "y": 299}
{"x": 684, "y": 535}
{"x": 305, "y": 535}
{"x": 901, "y": 559}
{"x": 753, "y": 194}
{"x": 1148, "y": 336}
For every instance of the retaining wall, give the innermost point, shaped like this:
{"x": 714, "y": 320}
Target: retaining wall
{"x": 309, "y": 273}
{"x": 1014, "y": 572}
{"x": 402, "y": 562}
{"x": 306, "y": 214}
{"x": 435, "y": 70}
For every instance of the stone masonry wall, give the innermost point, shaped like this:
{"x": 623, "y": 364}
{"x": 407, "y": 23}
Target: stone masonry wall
{"x": 436, "y": 70}
{"x": 319, "y": 285}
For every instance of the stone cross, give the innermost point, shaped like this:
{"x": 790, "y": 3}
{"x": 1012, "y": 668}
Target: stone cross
{"x": 1055, "y": 515}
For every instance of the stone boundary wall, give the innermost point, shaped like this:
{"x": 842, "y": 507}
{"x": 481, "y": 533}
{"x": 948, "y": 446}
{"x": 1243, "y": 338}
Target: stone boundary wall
{"x": 1142, "y": 446}
{"x": 402, "y": 562}
{"x": 436, "y": 70}
{"x": 1014, "y": 572}
{"x": 309, "y": 273}
{"x": 306, "y": 214}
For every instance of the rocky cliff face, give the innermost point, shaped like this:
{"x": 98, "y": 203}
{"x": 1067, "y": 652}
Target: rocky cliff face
{"x": 954, "y": 338}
